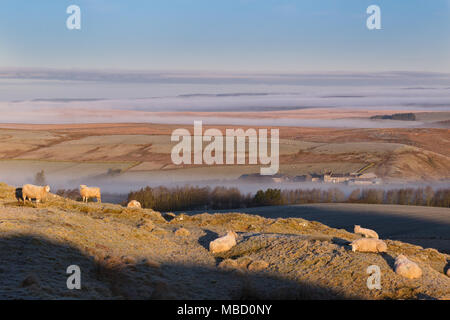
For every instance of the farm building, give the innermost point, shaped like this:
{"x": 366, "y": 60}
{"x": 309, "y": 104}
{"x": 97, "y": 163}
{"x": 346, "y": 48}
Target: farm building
{"x": 336, "y": 178}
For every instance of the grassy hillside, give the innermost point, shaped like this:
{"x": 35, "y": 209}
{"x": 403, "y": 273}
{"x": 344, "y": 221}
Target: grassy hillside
{"x": 138, "y": 253}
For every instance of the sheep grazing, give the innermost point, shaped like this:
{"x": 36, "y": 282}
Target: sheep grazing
{"x": 88, "y": 193}
{"x": 406, "y": 268}
{"x": 223, "y": 244}
{"x": 34, "y": 192}
{"x": 369, "y": 245}
{"x": 365, "y": 232}
{"x": 134, "y": 204}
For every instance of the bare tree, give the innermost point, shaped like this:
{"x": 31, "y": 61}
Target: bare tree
{"x": 39, "y": 178}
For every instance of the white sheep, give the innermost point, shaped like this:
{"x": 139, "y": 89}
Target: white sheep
{"x": 224, "y": 243}
{"x": 365, "y": 232}
{"x": 87, "y": 193}
{"x": 30, "y": 191}
{"x": 407, "y": 268}
{"x": 369, "y": 245}
{"x": 134, "y": 204}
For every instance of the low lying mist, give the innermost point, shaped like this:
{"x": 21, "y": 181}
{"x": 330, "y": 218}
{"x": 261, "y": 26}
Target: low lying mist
{"x": 115, "y": 189}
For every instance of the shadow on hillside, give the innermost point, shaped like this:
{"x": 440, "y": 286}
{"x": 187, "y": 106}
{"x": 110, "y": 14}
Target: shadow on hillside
{"x": 207, "y": 238}
{"x": 35, "y": 268}
{"x": 405, "y": 223}
{"x": 389, "y": 259}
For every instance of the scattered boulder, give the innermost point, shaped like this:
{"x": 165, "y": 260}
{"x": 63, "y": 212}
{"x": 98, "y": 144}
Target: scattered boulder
{"x": 159, "y": 231}
{"x": 228, "y": 264}
{"x": 182, "y": 232}
{"x": 368, "y": 245}
{"x": 258, "y": 265}
{"x": 224, "y": 243}
{"x": 407, "y": 268}
{"x": 244, "y": 262}
{"x": 134, "y": 204}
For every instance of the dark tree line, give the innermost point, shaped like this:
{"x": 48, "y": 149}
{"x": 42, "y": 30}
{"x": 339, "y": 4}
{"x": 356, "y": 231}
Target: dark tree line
{"x": 396, "y": 116}
{"x": 203, "y": 198}
{"x": 190, "y": 198}
{"x": 407, "y": 196}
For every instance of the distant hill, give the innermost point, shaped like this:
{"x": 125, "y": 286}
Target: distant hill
{"x": 414, "y": 164}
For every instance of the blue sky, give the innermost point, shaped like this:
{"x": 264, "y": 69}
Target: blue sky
{"x": 227, "y": 35}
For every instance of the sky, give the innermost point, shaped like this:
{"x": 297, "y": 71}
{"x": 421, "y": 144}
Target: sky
{"x": 227, "y": 35}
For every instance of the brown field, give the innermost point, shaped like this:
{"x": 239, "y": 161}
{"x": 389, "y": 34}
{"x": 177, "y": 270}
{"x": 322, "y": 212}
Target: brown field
{"x": 144, "y": 149}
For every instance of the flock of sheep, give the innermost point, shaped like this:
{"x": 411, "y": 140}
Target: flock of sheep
{"x": 30, "y": 192}
{"x": 370, "y": 243}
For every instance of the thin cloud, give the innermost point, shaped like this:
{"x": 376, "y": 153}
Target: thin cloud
{"x": 320, "y": 78}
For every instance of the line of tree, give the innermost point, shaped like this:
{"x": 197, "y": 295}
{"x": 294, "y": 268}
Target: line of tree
{"x": 203, "y": 198}
{"x": 190, "y": 198}
{"x": 405, "y": 196}
{"x": 396, "y": 116}
{"x": 39, "y": 178}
